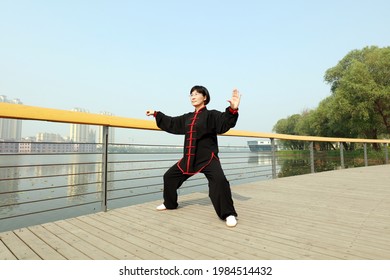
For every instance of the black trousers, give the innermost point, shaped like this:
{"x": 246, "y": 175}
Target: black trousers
{"x": 219, "y": 188}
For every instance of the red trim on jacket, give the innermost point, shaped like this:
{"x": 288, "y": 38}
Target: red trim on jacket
{"x": 200, "y": 170}
{"x": 233, "y": 111}
{"x": 191, "y": 139}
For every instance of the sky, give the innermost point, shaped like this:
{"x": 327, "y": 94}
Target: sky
{"x": 126, "y": 57}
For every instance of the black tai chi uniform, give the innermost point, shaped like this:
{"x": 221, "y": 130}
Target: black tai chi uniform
{"x": 200, "y": 155}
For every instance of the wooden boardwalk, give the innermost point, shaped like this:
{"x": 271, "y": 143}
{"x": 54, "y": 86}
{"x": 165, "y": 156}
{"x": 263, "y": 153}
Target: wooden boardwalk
{"x": 342, "y": 214}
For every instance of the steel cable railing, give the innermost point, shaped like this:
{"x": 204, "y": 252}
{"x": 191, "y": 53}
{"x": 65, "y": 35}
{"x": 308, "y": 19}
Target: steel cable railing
{"x": 236, "y": 173}
{"x": 40, "y": 186}
{"x": 32, "y": 192}
{"x": 39, "y": 189}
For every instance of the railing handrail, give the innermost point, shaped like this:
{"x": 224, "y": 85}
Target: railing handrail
{"x": 101, "y": 177}
{"x": 24, "y": 112}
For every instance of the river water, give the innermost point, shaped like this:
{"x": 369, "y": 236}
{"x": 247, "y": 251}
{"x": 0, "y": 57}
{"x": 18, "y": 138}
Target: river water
{"x": 39, "y": 188}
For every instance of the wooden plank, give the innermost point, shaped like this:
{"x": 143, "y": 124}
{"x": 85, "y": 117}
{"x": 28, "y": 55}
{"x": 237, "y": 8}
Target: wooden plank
{"x": 42, "y": 249}
{"x": 82, "y": 231}
{"x": 19, "y": 249}
{"x": 306, "y": 237}
{"x": 313, "y": 216}
{"x": 153, "y": 240}
{"x": 194, "y": 241}
{"x": 341, "y": 214}
{"x": 137, "y": 242}
{"x": 312, "y": 222}
{"x": 5, "y": 254}
{"x": 204, "y": 230}
{"x": 121, "y": 248}
{"x": 256, "y": 247}
{"x": 72, "y": 237}
{"x": 62, "y": 247}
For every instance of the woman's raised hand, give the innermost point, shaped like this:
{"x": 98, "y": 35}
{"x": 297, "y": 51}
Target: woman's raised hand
{"x": 235, "y": 100}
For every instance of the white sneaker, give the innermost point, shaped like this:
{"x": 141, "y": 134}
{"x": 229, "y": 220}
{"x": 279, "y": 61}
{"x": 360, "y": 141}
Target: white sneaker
{"x": 161, "y": 207}
{"x": 231, "y": 221}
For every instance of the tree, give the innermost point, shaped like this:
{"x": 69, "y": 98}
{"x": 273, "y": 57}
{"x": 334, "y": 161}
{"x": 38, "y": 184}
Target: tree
{"x": 360, "y": 85}
{"x": 289, "y": 126}
{"x": 306, "y": 122}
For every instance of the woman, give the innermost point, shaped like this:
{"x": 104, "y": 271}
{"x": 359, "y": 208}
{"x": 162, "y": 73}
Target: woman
{"x": 200, "y": 128}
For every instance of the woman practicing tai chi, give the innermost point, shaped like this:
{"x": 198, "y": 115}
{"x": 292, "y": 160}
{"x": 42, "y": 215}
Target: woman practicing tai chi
{"x": 200, "y": 128}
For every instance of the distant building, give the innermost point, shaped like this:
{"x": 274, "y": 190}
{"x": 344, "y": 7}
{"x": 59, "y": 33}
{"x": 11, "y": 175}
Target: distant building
{"x": 81, "y": 133}
{"x": 54, "y": 147}
{"x": 10, "y": 129}
{"x": 49, "y": 137}
{"x": 38, "y": 147}
{"x": 9, "y": 147}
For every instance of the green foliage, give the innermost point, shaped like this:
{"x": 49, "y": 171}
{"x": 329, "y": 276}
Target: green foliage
{"x": 360, "y": 84}
{"x": 289, "y": 126}
{"x": 360, "y": 102}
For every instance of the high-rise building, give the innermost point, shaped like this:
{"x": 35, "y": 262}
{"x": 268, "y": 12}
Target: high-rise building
{"x": 49, "y": 137}
{"x": 82, "y": 133}
{"x": 10, "y": 129}
{"x": 111, "y": 131}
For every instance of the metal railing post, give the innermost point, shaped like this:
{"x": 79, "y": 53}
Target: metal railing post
{"x": 104, "y": 168}
{"x": 365, "y": 154}
{"x": 386, "y": 153}
{"x": 312, "y": 156}
{"x": 342, "y": 155}
{"x": 273, "y": 158}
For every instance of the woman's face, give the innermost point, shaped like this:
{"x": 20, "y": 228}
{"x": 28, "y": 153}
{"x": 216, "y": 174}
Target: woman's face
{"x": 197, "y": 99}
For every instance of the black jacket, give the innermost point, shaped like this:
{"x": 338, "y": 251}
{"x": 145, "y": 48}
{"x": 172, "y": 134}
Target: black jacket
{"x": 200, "y": 129}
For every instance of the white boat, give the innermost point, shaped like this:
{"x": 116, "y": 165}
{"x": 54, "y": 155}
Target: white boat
{"x": 260, "y": 146}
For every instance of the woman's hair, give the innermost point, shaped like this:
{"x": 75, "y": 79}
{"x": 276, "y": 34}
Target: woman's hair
{"x": 203, "y": 91}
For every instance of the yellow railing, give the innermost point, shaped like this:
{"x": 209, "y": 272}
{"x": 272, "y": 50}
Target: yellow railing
{"x": 95, "y": 180}
{"x": 18, "y": 111}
